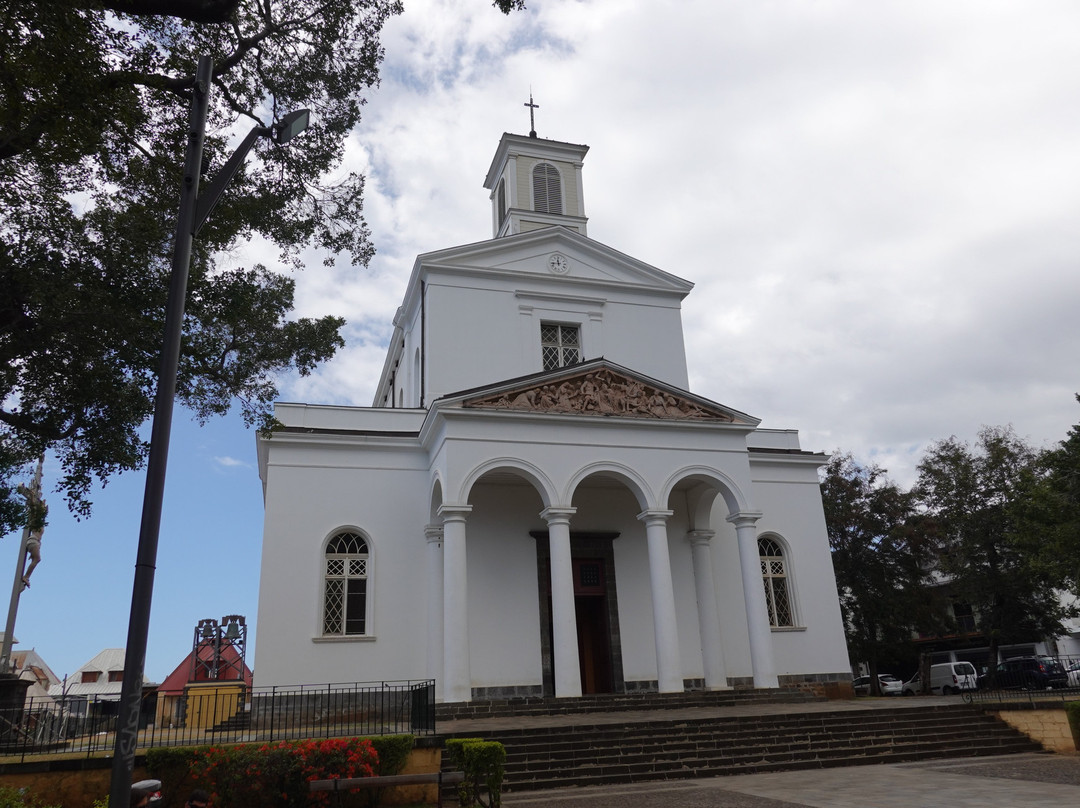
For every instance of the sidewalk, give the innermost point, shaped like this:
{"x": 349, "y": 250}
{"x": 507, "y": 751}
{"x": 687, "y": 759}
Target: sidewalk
{"x": 1000, "y": 782}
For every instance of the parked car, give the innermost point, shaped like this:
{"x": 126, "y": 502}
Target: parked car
{"x": 912, "y": 687}
{"x": 1074, "y": 674}
{"x": 890, "y": 685}
{"x": 1027, "y": 673}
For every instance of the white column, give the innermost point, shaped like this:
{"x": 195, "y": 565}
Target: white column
{"x": 434, "y": 535}
{"x": 457, "y": 679}
{"x": 757, "y": 612}
{"x": 665, "y": 627}
{"x": 564, "y": 639}
{"x": 712, "y": 655}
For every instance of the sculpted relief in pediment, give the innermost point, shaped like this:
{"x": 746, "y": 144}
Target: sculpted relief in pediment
{"x": 601, "y": 392}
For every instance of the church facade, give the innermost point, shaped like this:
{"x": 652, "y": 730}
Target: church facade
{"x": 536, "y": 504}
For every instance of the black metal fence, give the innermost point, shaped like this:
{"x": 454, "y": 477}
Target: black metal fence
{"x": 1036, "y": 682}
{"x": 223, "y": 712}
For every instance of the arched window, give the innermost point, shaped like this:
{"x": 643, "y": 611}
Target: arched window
{"x": 500, "y": 198}
{"x": 547, "y": 190}
{"x": 774, "y": 574}
{"x": 345, "y": 593}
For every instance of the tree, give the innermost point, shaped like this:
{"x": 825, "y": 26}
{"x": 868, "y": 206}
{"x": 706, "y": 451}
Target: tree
{"x": 93, "y": 114}
{"x": 880, "y": 556}
{"x": 993, "y": 554}
{"x": 1055, "y": 507}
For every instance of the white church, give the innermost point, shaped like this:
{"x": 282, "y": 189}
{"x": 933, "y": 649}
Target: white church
{"x": 536, "y": 504}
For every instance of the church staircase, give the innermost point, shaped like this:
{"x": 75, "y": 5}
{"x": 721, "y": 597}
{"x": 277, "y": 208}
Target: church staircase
{"x": 576, "y": 749}
{"x": 618, "y": 702}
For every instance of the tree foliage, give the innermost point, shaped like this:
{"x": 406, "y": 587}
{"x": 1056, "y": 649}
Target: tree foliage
{"x": 94, "y": 98}
{"x": 993, "y": 552}
{"x": 881, "y": 556}
{"x": 1055, "y": 509}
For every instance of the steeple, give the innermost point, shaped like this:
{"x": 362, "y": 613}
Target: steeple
{"x": 536, "y": 183}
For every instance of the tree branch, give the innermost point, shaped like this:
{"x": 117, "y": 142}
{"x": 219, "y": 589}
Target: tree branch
{"x": 206, "y": 11}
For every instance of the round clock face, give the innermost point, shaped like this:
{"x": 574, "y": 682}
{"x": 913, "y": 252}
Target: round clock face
{"x": 558, "y": 264}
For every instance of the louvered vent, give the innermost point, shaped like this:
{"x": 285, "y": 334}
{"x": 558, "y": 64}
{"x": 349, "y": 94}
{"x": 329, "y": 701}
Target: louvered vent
{"x": 547, "y": 192}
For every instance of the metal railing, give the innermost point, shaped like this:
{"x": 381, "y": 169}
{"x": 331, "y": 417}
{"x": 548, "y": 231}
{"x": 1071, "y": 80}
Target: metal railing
{"x": 230, "y": 713}
{"x": 1023, "y": 688}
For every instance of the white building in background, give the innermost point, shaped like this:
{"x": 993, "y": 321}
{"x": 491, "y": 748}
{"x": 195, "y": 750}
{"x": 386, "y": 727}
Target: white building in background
{"x": 536, "y": 503}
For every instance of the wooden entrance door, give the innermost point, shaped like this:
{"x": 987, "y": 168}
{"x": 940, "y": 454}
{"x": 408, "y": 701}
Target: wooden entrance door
{"x": 594, "y": 634}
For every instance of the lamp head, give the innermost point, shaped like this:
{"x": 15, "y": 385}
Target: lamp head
{"x": 291, "y": 125}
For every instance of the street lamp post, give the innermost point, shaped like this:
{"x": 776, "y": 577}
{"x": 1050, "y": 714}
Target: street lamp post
{"x": 192, "y": 215}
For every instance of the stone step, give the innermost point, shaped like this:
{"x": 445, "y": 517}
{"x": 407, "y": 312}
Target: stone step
{"x": 503, "y": 708}
{"x": 751, "y": 760}
{"x": 750, "y": 765}
{"x": 720, "y": 741}
{"x": 632, "y": 750}
{"x": 899, "y": 720}
{"x": 572, "y": 752}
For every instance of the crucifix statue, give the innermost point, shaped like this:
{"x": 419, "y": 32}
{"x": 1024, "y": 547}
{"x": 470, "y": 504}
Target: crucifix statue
{"x": 36, "y": 512}
{"x": 532, "y": 120}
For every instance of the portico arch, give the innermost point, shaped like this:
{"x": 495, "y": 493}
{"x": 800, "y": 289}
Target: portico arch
{"x": 511, "y": 465}
{"x": 700, "y": 498}
{"x": 695, "y": 489}
{"x": 435, "y": 498}
{"x": 628, "y": 476}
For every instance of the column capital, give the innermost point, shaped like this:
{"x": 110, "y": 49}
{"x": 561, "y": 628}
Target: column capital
{"x": 454, "y": 513}
{"x": 745, "y": 518}
{"x": 433, "y": 533}
{"x": 655, "y": 517}
{"x": 556, "y": 515}
{"x": 700, "y": 536}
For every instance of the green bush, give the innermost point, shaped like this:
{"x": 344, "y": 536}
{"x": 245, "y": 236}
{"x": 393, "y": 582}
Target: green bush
{"x": 277, "y": 776}
{"x": 483, "y": 763}
{"x": 20, "y": 798}
{"x": 172, "y": 766}
{"x": 1072, "y": 710}
{"x": 268, "y": 774}
{"x": 393, "y": 751}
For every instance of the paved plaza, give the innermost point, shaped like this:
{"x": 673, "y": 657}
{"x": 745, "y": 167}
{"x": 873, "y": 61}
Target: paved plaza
{"x": 1006, "y": 782}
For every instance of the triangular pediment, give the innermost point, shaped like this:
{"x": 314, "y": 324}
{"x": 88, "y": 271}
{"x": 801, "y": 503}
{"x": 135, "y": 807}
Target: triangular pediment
{"x": 599, "y": 388}
{"x": 555, "y": 253}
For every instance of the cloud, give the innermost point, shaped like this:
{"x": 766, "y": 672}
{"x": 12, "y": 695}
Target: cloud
{"x": 875, "y": 202}
{"x": 231, "y": 462}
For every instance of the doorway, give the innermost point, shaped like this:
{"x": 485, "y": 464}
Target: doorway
{"x": 596, "y": 607}
{"x": 594, "y": 645}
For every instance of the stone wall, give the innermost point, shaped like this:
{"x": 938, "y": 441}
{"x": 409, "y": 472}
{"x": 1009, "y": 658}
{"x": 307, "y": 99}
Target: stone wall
{"x": 1048, "y": 727}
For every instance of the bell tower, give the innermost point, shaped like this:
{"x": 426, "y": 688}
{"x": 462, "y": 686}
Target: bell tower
{"x": 536, "y": 183}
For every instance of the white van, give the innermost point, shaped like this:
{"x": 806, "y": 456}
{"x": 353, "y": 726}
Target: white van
{"x": 946, "y": 678}
{"x": 952, "y": 677}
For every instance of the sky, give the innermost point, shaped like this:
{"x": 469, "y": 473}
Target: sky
{"x": 878, "y": 205}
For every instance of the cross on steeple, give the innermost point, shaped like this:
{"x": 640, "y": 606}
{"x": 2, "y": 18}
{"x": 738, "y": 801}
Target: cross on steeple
{"x": 532, "y": 120}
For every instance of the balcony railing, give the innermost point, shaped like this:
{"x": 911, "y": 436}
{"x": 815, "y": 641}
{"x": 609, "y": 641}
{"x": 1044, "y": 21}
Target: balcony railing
{"x": 222, "y": 712}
